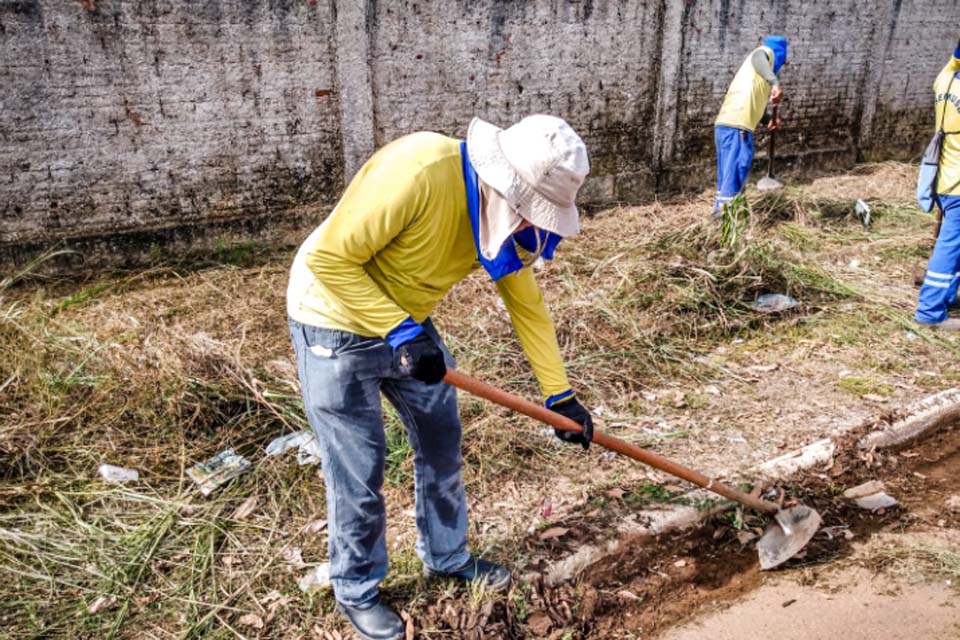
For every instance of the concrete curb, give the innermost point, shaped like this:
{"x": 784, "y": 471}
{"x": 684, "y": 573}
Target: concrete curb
{"x": 921, "y": 418}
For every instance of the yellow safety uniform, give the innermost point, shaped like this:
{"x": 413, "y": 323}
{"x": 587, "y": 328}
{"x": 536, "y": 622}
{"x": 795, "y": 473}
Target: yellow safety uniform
{"x": 948, "y": 108}
{"x": 746, "y": 99}
{"x": 396, "y": 242}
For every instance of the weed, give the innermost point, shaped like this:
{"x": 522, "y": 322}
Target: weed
{"x": 861, "y": 386}
{"x": 399, "y": 457}
{"x": 240, "y": 254}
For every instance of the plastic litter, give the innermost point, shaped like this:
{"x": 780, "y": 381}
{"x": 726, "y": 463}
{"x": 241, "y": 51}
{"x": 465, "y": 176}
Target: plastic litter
{"x": 308, "y": 451}
{"x": 870, "y": 496}
{"x": 773, "y": 303}
{"x": 111, "y": 473}
{"x": 216, "y": 471}
{"x": 316, "y": 579}
{"x": 877, "y": 501}
{"x": 862, "y": 209}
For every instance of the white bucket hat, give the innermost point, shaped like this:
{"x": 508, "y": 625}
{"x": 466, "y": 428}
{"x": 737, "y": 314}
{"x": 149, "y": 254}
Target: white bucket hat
{"x": 537, "y": 166}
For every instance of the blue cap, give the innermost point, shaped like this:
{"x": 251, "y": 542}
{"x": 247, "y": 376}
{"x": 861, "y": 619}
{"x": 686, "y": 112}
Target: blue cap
{"x": 777, "y": 44}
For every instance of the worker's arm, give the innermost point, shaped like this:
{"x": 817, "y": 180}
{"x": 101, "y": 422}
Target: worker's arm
{"x": 537, "y": 335}
{"x": 524, "y": 301}
{"x": 362, "y": 225}
{"x": 761, "y": 64}
{"x": 952, "y": 66}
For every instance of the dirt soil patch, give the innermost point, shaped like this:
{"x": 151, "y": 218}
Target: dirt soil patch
{"x": 653, "y": 584}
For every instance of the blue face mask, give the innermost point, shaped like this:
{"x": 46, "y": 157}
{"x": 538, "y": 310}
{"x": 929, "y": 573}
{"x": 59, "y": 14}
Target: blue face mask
{"x": 777, "y": 44}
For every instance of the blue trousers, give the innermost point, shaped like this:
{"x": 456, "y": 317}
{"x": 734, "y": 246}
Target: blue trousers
{"x": 734, "y": 157}
{"x": 342, "y": 376}
{"x": 939, "y": 289}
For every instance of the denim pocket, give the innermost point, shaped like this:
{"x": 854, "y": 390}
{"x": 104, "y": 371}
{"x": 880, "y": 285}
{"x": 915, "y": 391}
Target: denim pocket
{"x": 333, "y": 343}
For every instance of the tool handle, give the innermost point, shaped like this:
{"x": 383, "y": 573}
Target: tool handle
{"x": 772, "y": 142}
{"x": 537, "y": 412}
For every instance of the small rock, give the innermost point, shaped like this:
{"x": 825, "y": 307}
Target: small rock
{"x": 863, "y": 490}
{"x": 953, "y": 503}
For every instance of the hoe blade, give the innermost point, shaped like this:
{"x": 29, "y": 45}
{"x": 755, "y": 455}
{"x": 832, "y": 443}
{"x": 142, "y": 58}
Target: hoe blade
{"x": 792, "y": 529}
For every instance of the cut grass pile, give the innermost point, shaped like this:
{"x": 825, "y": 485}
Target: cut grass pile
{"x": 161, "y": 370}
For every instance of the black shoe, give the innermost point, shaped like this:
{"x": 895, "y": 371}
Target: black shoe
{"x": 373, "y": 620}
{"x": 497, "y": 576}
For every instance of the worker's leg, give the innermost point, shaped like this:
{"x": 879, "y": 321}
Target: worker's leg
{"x": 744, "y": 158}
{"x": 340, "y": 378}
{"x": 734, "y": 155}
{"x": 430, "y": 415}
{"x": 939, "y": 287}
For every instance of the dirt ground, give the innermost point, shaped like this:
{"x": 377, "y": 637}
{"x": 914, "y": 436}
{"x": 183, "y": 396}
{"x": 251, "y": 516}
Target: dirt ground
{"x": 886, "y": 574}
{"x": 162, "y": 369}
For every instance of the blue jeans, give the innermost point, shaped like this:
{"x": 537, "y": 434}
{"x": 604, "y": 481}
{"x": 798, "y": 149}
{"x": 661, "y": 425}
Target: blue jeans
{"x": 342, "y": 376}
{"x": 939, "y": 288}
{"x": 734, "y": 157}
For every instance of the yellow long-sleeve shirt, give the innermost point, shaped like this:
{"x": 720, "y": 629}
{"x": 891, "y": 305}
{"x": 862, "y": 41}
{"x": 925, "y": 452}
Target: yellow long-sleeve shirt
{"x": 746, "y": 98}
{"x": 396, "y": 242}
{"x": 947, "y": 98}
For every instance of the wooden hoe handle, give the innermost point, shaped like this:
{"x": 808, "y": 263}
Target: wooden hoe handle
{"x": 537, "y": 412}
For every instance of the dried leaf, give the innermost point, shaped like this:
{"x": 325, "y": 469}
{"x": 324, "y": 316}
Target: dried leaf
{"x": 100, "y": 603}
{"x": 251, "y": 620}
{"x": 451, "y": 617}
{"x": 408, "y": 625}
{"x": 246, "y": 508}
{"x": 616, "y": 493}
{"x": 746, "y": 537}
{"x": 554, "y": 532}
{"x": 294, "y": 557}
{"x": 539, "y": 623}
{"x": 315, "y": 527}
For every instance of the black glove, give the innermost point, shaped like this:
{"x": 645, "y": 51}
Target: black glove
{"x": 578, "y": 413}
{"x": 422, "y": 359}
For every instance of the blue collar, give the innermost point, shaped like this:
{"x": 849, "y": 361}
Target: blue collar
{"x": 508, "y": 260}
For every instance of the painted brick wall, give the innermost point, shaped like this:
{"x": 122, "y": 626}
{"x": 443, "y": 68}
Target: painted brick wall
{"x": 146, "y": 116}
{"x": 131, "y": 124}
{"x": 920, "y": 39}
{"x": 830, "y": 45}
{"x": 438, "y": 64}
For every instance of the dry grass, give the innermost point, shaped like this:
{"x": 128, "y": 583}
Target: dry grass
{"x": 159, "y": 370}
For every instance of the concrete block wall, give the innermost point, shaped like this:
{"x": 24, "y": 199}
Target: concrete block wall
{"x": 128, "y": 125}
{"x": 125, "y": 122}
{"x": 438, "y": 64}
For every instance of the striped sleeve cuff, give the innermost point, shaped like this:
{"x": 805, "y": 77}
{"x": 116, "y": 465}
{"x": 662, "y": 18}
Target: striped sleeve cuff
{"x": 552, "y": 400}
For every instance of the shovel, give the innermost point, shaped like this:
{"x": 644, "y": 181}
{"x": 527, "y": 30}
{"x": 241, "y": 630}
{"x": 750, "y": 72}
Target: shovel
{"x": 794, "y": 527}
{"x": 768, "y": 182}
